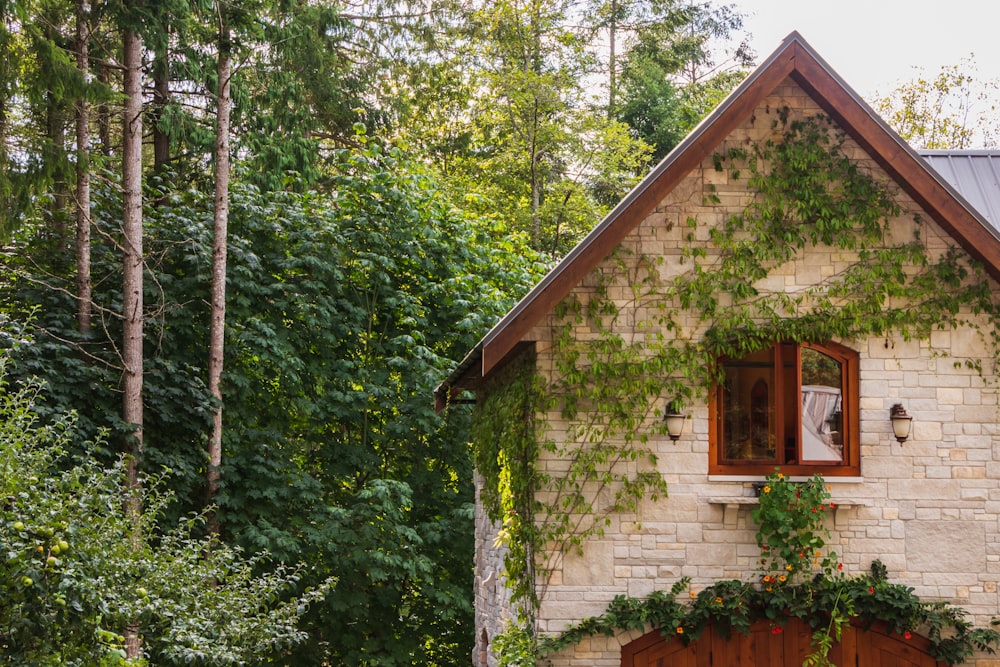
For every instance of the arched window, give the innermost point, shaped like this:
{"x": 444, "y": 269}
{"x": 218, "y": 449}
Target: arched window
{"x": 793, "y": 406}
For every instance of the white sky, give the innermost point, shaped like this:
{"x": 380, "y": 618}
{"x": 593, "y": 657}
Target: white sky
{"x": 874, "y": 44}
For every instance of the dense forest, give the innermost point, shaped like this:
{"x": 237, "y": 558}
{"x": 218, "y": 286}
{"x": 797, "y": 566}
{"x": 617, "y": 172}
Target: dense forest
{"x": 242, "y": 243}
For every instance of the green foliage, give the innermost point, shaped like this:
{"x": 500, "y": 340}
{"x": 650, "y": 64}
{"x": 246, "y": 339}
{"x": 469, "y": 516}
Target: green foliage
{"x": 73, "y": 575}
{"x": 670, "y": 79}
{"x": 344, "y": 312}
{"x": 825, "y": 604}
{"x": 790, "y": 529}
{"x": 948, "y": 110}
{"x": 504, "y": 430}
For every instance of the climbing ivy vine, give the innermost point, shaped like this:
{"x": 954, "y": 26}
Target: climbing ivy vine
{"x": 645, "y": 333}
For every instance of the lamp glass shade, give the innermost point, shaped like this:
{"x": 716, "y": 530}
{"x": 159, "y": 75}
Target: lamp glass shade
{"x": 675, "y": 424}
{"x": 900, "y": 424}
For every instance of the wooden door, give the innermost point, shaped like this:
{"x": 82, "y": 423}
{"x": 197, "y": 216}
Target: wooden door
{"x": 767, "y": 646}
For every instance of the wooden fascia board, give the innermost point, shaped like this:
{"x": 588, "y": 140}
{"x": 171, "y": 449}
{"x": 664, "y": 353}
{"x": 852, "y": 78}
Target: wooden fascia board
{"x": 902, "y": 164}
{"x": 677, "y": 167}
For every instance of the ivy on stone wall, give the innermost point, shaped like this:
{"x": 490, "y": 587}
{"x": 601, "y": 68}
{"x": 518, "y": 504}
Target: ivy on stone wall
{"x": 624, "y": 348}
{"x": 506, "y": 439}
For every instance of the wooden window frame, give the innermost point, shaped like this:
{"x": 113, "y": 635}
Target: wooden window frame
{"x": 849, "y": 467}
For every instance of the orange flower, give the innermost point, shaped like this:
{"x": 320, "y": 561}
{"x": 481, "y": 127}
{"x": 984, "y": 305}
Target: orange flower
{"x": 781, "y": 476}
{"x": 693, "y": 594}
{"x": 789, "y": 568}
{"x": 718, "y": 600}
{"x": 782, "y": 578}
{"x": 680, "y": 630}
{"x": 767, "y": 489}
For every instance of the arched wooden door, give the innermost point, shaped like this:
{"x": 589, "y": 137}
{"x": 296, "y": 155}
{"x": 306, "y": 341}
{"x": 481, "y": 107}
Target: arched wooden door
{"x": 767, "y": 647}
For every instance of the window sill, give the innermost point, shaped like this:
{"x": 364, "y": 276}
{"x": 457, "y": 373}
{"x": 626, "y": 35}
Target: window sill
{"x": 831, "y": 479}
{"x": 731, "y": 507}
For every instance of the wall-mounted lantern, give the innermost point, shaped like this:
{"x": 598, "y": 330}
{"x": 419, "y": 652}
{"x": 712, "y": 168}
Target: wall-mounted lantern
{"x": 674, "y": 420}
{"x": 900, "y": 422}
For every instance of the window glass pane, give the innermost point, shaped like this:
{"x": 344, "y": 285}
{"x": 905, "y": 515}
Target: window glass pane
{"x": 748, "y": 420}
{"x": 822, "y": 407}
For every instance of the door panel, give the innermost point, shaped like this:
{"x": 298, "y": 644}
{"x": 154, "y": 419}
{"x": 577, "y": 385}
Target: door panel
{"x": 767, "y": 647}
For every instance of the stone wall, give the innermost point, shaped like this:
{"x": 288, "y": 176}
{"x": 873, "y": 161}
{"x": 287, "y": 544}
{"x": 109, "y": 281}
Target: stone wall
{"x": 929, "y": 508}
{"x": 492, "y": 596}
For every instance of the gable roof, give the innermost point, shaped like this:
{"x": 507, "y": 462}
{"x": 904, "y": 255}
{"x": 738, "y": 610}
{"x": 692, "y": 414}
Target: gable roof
{"x": 796, "y": 59}
{"x": 975, "y": 174}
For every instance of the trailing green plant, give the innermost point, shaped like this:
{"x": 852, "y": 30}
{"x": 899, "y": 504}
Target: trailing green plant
{"x": 792, "y": 538}
{"x": 642, "y": 335}
{"x": 505, "y": 430}
{"x": 790, "y": 530}
{"x": 734, "y": 606}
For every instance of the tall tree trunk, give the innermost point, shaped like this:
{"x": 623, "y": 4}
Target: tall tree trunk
{"x": 83, "y": 286}
{"x": 132, "y": 304}
{"x": 161, "y": 96}
{"x": 55, "y": 139}
{"x": 104, "y": 112}
{"x": 217, "y": 328}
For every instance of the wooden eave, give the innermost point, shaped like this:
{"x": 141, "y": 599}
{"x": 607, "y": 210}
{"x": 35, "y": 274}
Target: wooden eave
{"x": 795, "y": 59}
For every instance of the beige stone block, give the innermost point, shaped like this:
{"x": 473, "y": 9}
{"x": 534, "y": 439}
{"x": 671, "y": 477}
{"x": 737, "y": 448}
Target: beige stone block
{"x": 926, "y": 431}
{"x": 941, "y": 340}
{"x": 951, "y": 396}
{"x": 966, "y": 342}
{"x": 982, "y": 414}
{"x": 896, "y": 349}
{"x": 921, "y": 489}
{"x": 711, "y": 554}
{"x": 943, "y": 547}
{"x": 944, "y": 377}
{"x": 594, "y": 567}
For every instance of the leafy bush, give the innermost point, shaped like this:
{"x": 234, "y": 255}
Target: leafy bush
{"x": 76, "y": 569}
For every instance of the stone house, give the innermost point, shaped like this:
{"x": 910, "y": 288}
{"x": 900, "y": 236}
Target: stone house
{"x": 815, "y": 339}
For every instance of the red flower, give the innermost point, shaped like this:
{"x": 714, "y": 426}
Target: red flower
{"x": 907, "y": 635}
{"x": 840, "y": 566}
{"x": 871, "y": 590}
{"x": 776, "y": 630}
{"x": 814, "y": 510}
{"x": 832, "y": 505}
